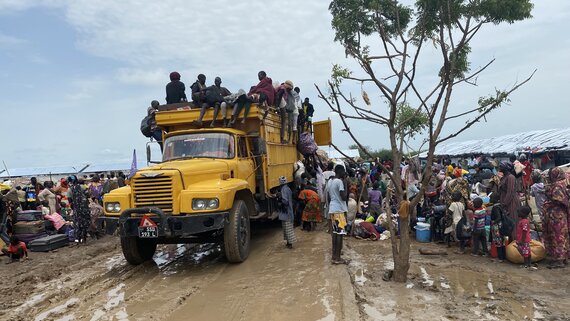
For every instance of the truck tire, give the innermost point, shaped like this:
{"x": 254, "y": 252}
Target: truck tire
{"x": 137, "y": 250}
{"x": 237, "y": 233}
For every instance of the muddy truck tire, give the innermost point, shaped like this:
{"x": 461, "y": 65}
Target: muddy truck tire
{"x": 237, "y": 233}
{"x": 137, "y": 250}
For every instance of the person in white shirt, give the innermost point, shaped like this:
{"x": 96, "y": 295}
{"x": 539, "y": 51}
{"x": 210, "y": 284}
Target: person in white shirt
{"x": 338, "y": 208}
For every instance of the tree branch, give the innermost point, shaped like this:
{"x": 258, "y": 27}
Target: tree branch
{"x": 487, "y": 110}
{"x": 466, "y": 79}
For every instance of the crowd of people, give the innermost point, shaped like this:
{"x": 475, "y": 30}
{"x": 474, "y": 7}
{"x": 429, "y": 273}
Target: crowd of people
{"x": 281, "y": 98}
{"x": 477, "y": 202}
{"x": 72, "y": 206}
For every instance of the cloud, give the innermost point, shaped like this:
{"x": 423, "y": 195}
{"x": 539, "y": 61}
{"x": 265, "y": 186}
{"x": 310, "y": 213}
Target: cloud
{"x": 144, "y": 77}
{"x": 7, "y": 41}
{"x": 138, "y": 43}
{"x": 11, "y": 6}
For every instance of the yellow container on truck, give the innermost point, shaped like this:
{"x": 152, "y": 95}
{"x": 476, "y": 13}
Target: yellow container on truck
{"x": 211, "y": 182}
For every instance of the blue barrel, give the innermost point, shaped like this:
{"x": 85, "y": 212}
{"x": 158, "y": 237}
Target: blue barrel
{"x": 423, "y": 233}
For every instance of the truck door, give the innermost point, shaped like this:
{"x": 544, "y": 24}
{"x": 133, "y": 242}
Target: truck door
{"x": 245, "y": 163}
{"x": 322, "y": 131}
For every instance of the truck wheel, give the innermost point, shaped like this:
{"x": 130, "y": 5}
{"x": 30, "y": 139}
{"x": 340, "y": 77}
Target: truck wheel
{"x": 237, "y": 233}
{"x": 137, "y": 250}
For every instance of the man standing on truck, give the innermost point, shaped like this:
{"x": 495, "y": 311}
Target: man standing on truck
{"x": 175, "y": 89}
{"x": 156, "y": 132}
{"x": 286, "y": 103}
{"x": 308, "y": 110}
{"x": 286, "y": 216}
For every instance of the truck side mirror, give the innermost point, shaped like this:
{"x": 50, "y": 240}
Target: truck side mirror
{"x": 148, "y": 153}
{"x": 149, "y": 159}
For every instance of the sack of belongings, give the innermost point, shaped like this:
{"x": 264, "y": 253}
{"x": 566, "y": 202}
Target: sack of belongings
{"x": 537, "y": 252}
{"x": 306, "y": 144}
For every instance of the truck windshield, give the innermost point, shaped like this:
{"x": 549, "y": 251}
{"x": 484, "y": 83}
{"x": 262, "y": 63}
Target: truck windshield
{"x": 199, "y": 145}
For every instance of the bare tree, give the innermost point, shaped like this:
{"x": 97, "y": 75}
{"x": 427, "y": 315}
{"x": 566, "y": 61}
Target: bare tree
{"x": 401, "y": 32}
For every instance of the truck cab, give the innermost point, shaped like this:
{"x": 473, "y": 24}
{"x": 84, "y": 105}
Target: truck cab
{"x": 210, "y": 183}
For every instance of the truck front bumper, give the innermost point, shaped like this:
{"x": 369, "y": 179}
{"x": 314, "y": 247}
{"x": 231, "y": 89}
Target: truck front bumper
{"x": 168, "y": 225}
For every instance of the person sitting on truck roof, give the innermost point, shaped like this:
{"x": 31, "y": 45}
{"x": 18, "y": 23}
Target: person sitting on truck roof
{"x": 175, "y": 89}
{"x": 199, "y": 91}
{"x": 286, "y": 106}
{"x": 216, "y": 94}
{"x": 239, "y": 101}
{"x": 215, "y": 97}
{"x": 263, "y": 93}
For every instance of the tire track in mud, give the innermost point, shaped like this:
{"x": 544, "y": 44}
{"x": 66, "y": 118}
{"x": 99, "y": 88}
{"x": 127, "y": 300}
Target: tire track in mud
{"x": 98, "y": 289}
{"x": 191, "y": 282}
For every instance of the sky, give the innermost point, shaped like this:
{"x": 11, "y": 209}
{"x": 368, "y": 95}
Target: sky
{"x": 77, "y": 76}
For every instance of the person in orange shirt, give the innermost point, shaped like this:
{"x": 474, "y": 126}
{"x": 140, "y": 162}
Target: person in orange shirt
{"x": 312, "y": 210}
{"x": 16, "y": 250}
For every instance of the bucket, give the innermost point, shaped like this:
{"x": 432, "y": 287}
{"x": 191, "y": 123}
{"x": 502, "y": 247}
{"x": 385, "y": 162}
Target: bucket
{"x": 423, "y": 233}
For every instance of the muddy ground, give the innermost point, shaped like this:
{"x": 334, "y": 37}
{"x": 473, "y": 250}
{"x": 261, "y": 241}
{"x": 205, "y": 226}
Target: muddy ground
{"x": 188, "y": 282}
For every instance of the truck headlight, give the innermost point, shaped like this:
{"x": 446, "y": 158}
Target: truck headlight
{"x": 201, "y": 204}
{"x": 113, "y": 207}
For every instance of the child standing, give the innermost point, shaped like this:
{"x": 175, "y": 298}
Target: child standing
{"x": 537, "y": 191}
{"x": 463, "y": 232}
{"x": 479, "y": 233}
{"x": 454, "y": 215}
{"x": 497, "y": 229}
{"x": 523, "y": 235}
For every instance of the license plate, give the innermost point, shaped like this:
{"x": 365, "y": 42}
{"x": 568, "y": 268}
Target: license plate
{"x": 148, "y": 232}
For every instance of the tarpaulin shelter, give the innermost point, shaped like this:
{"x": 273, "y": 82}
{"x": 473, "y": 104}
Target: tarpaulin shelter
{"x": 552, "y": 145}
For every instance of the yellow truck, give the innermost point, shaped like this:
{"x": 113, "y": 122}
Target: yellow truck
{"x": 210, "y": 183}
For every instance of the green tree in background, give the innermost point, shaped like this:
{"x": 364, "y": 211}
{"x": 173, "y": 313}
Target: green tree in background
{"x": 386, "y": 38}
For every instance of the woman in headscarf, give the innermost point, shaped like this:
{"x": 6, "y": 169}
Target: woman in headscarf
{"x": 286, "y": 216}
{"x": 458, "y": 184}
{"x": 312, "y": 210}
{"x": 556, "y": 215}
{"x": 81, "y": 212}
{"x": 507, "y": 191}
{"x": 9, "y": 198}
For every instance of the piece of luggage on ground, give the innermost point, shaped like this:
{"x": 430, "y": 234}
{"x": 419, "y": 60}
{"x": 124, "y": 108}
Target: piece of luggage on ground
{"x": 31, "y": 227}
{"x": 48, "y": 243}
{"x": 537, "y": 252}
{"x": 26, "y": 238}
{"x": 30, "y": 215}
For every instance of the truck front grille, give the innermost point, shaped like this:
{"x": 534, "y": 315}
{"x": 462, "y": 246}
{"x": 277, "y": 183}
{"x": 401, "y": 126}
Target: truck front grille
{"x": 153, "y": 192}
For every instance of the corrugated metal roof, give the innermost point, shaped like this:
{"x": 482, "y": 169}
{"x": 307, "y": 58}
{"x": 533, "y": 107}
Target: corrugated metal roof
{"x": 536, "y": 141}
{"x": 38, "y": 171}
{"x": 66, "y": 170}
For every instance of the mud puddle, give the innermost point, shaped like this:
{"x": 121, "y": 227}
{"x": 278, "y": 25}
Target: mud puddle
{"x": 454, "y": 287}
{"x": 183, "y": 282}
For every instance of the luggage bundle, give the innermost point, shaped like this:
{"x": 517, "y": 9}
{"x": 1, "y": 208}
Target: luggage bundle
{"x": 30, "y": 225}
{"x": 48, "y": 243}
{"x": 30, "y": 215}
{"x": 307, "y": 145}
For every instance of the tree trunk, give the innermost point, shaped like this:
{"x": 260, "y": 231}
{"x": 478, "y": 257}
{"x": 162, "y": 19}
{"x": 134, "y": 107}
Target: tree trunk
{"x": 402, "y": 259}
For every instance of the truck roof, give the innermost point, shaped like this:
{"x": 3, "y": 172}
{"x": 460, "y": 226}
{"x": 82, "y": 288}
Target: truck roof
{"x": 181, "y": 116}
